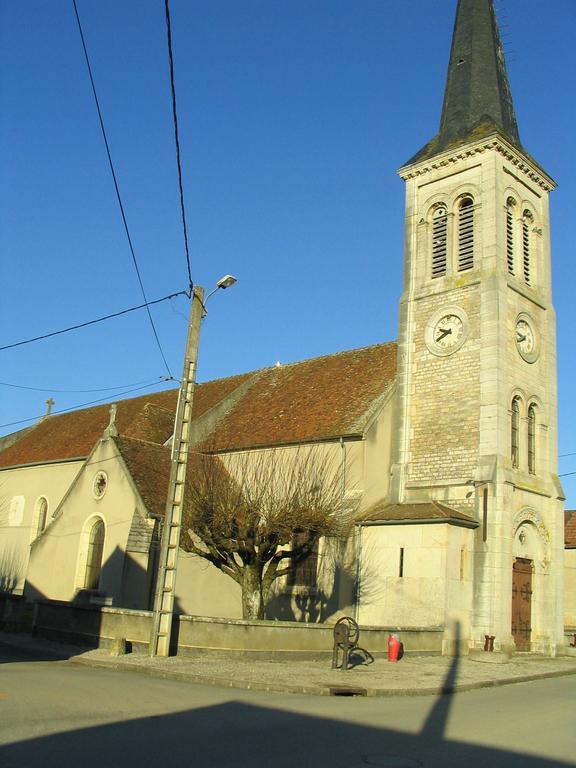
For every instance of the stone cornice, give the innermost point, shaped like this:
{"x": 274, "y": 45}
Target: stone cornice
{"x": 493, "y": 142}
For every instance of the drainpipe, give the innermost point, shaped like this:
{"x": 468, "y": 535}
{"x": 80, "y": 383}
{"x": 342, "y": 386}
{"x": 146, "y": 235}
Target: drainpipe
{"x": 358, "y": 573}
{"x": 342, "y": 467}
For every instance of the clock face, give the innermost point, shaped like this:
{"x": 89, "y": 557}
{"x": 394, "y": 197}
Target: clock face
{"x": 526, "y": 339}
{"x": 448, "y": 331}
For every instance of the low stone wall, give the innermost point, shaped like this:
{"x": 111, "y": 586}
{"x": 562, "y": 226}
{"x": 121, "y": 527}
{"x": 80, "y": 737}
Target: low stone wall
{"x": 16, "y": 613}
{"x": 96, "y": 626}
{"x": 288, "y": 637}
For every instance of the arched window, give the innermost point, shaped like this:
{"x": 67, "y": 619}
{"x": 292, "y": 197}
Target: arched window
{"x": 439, "y": 239}
{"x": 94, "y": 555}
{"x": 465, "y": 234}
{"x": 510, "y": 203}
{"x": 532, "y": 439}
{"x": 42, "y": 515}
{"x": 515, "y": 432}
{"x": 527, "y": 224}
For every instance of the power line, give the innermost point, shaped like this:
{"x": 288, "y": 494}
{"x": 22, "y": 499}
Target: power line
{"x": 566, "y": 474}
{"x": 55, "y": 390}
{"x": 97, "y": 320}
{"x": 562, "y": 455}
{"x": 74, "y": 407}
{"x": 177, "y": 141}
{"x": 118, "y": 190}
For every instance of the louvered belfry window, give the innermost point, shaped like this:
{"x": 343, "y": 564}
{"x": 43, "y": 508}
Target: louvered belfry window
{"x": 527, "y": 222}
{"x": 510, "y": 203}
{"x": 466, "y": 234}
{"x": 439, "y": 239}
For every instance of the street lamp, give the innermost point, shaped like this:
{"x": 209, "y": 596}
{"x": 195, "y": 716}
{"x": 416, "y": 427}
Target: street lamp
{"x": 170, "y": 540}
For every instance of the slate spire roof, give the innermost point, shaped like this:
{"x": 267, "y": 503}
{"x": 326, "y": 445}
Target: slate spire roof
{"x": 477, "y": 99}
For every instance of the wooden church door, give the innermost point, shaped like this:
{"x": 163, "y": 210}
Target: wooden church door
{"x": 522, "y": 603}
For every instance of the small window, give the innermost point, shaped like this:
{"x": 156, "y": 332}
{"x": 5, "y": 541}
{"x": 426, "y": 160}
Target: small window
{"x": 532, "y": 439}
{"x": 100, "y": 484}
{"x": 401, "y": 563}
{"x": 466, "y": 234}
{"x": 41, "y": 515}
{"x": 515, "y": 431}
{"x": 510, "y": 203}
{"x": 303, "y": 572}
{"x": 94, "y": 555}
{"x": 439, "y": 240}
{"x": 527, "y": 224}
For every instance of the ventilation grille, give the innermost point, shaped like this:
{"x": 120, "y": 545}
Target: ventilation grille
{"x": 526, "y": 249}
{"x": 510, "y": 241}
{"x": 439, "y": 235}
{"x": 466, "y": 235}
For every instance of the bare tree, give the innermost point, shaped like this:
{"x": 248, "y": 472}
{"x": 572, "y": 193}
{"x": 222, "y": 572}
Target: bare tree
{"x": 262, "y": 513}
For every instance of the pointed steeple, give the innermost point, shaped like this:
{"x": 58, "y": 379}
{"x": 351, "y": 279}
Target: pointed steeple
{"x": 477, "y": 100}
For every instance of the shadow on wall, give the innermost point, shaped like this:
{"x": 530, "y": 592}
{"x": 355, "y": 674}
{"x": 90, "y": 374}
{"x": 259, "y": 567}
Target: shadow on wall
{"x": 123, "y": 583}
{"x": 342, "y": 584}
{"x": 11, "y": 566}
{"x": 85, "y": 621}
{"x": 234, "y": 734}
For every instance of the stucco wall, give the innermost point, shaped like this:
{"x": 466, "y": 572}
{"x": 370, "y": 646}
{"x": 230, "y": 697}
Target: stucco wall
{"x": 435, "y": 586}
{"x": 20, "y": 490}
{"x": 570, "y": 588}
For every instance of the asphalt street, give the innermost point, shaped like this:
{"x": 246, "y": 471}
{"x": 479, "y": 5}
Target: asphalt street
{"x": 55, "y": 713}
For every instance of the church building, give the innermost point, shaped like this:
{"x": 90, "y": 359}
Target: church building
{"x": 447, "y": 438}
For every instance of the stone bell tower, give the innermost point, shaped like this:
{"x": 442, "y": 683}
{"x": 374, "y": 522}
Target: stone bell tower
{"x": 477, "y": 348}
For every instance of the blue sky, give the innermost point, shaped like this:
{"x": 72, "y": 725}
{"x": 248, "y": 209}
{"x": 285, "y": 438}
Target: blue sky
{"x": 294, "y": 117}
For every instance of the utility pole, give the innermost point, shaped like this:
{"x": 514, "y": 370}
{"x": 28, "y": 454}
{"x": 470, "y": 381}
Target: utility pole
{"x": 170, "y": 540}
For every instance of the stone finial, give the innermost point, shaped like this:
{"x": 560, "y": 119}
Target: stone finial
{"x": 111, "y": 430}
{"x": 50, "y": 402}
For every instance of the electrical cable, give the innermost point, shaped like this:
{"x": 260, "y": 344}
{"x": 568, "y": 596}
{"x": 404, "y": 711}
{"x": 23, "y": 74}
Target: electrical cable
{"x": 93, "y": 322}
{"x": 117, "y": 189}
{"x": 177, "y": 141}
{"x": 83, "y": 391}
{"x": 75, "y": 407}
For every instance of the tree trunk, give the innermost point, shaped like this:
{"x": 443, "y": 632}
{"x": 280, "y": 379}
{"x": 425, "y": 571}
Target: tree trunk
{"x": 252, "y": 600}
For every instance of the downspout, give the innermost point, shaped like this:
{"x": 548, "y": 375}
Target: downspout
{"x": 342, "y": 468}
{"x": 358, "y": 573}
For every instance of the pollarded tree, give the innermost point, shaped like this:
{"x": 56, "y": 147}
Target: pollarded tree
{"x": 255, "y": 514}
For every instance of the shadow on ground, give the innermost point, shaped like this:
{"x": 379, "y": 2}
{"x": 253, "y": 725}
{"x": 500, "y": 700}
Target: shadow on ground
{"x": 234, "y": 734}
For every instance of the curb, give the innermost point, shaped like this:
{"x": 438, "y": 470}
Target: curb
{"x": 320, "y": 689}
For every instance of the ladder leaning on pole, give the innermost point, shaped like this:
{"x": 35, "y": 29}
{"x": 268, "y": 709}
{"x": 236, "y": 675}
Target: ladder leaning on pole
{"x": 170, "y": 539}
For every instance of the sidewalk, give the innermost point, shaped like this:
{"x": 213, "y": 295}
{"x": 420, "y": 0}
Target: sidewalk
{"x": 411, "y": 676}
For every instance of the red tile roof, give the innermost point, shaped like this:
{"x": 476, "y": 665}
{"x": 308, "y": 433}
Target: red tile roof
{"x": 570, "y": 529}
{"x": 73, "y": 435}
{"x": 149, "y": 467}
{"x": 386, "y": 513}
{"x": 318, "y": 399}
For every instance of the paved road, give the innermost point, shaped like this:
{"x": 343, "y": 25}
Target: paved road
{"x": 54, "y": 713}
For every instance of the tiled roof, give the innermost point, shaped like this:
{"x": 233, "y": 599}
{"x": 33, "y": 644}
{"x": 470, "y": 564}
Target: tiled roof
{"x": 570, "y": 529}
{"x": 318, "y": 399}
{"x": 148, "y": 417}
{"x": 397, "y": 513}
{"x": 149, "y": 467}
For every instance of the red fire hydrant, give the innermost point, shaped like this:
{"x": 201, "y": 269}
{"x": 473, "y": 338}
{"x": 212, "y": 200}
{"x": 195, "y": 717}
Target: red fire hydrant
{"x": 393, "y": 647}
